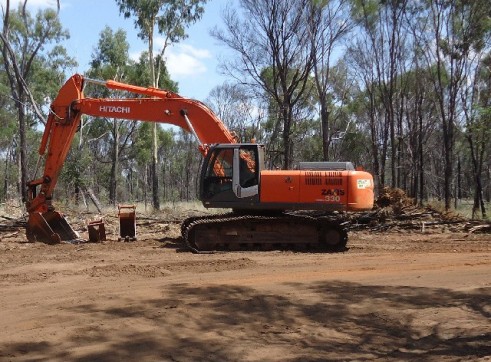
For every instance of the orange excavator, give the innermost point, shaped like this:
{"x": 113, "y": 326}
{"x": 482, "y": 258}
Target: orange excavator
{"x": 270, "y": 207}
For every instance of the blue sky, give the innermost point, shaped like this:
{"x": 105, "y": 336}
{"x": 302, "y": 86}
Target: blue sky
{"x": 193, "y": 62}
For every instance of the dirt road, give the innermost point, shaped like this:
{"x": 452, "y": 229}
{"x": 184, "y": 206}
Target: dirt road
{"x": 391, "y": 296}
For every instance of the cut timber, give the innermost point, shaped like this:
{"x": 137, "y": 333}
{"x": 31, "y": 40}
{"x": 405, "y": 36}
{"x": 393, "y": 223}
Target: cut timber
{"x": 94, "y": 199}
{"x": 480, "y": 228}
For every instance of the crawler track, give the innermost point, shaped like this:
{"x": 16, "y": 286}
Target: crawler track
{"x": 246, "y": 232}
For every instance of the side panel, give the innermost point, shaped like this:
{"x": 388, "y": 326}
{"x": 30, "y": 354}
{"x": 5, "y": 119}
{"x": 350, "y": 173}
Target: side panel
{"x": 324, "y": 187}
{"x": 280, "y": 186}
{"x": 316, "y": 190}
{"x": 304, "y": 187}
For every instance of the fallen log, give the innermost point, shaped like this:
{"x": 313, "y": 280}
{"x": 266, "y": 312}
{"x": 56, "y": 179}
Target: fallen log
{"x": 480, "y": 228}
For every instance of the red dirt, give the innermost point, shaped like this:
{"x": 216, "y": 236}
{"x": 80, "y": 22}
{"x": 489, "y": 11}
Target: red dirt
{"x": 391, "y": 296}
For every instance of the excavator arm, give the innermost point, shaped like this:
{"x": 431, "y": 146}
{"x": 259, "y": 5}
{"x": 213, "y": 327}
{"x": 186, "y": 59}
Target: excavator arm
{"x": 47, "y": 225}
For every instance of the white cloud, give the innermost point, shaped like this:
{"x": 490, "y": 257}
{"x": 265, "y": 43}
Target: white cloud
{"x": 195, "y": 52}
{"x": 182, "y": 60}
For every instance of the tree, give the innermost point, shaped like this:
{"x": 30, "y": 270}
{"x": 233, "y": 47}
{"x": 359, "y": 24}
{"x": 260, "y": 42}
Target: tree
{"x": 24, "y": 42}
{"x": 237, "y": 109}
{"x": 477, "y": 113}
{"x": 170, "y": 17}
{"x": 110, "y": 60}
{"x": 273, "y": 55}
{"x": 329, "y": 26}
{"x": 378, "y": 54}
{"x": 367, "y": 106}
{"x": 450, "y": 32}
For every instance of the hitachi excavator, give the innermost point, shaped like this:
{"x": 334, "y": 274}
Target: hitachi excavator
{"x": 270, "y": 207}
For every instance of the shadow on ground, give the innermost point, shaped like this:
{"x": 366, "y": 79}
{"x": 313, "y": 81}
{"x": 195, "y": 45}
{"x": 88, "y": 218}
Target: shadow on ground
{"x": 308, "y": 322}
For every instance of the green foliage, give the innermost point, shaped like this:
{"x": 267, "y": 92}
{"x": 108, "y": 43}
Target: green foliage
{"x": 48, "y": 72}
{"x": 35, "y": 42}
{"x": 170, "y": 16}
{"x": 8, "y": 126}
{"x": 112, "y": 49}
{"x": 78, "y": 162}
{"x": 308, "y": 135}
{"x": 142, "y": 150}
{"x": 33, "y": 62}
{"x": 142, "y": 145}
{"x": 471, "y": 25}
{"x": 42, "y": 29}
{"x": 139, "y": 74}
{"x": 366, "y": 12}
{"x": 110, "y": 59}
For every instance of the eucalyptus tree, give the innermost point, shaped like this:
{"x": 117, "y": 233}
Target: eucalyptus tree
{"x": 348, "y": 135}
{"x": 7, "y": 136}
{"x": 29, "y": 49}
{"x": 330, "y": 24}
{"x": 368, "y": 108}
{"x": 170, "y": 18}
{"x": 378, "y": 55}
{"x": 110, "y": 60}
{"x": 138, "y": 164}
{"x": 421, "y": 130}
{"x": 271, "y": 37}
{"x": 477, "y": 115}
{"x": 451, "y": 33}
{"x": 240, "y": 112}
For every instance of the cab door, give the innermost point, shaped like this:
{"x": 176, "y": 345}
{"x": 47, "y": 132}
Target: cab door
{"x": 217, "y": 175}
{"x": 245, "y": 181}
{"x": 230, "y": 177}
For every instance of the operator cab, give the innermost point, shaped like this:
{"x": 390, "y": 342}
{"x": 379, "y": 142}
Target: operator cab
{"x": 230, "y": 175}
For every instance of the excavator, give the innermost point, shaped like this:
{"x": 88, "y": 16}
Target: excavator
{"x": 269, "y": 207}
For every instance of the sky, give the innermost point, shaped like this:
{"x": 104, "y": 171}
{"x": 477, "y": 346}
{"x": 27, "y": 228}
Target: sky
{"x": 193, "y": 62}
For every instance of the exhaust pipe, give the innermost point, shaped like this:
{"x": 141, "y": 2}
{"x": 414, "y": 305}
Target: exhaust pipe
{"x": 50, "y": 227}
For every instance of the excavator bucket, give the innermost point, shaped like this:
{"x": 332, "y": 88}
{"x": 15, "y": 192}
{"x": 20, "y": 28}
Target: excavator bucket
{"x": 50, "y": 227}
{"x": 97, "y": 231}
{"x": 127, "y": 222}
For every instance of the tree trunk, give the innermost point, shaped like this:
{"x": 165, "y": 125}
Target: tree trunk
{"x": 375, "y": 156}
{"x": 448, "y": 149}
{"x": 7, "y": 172}
{"x": 145, "y": 183}
{"x": 488, "y": 188}
{"x": 477, "y": 170}
{"x": 94, "y": 199}
{"x": 393, "y": 145}
{"x": 114, "y": 165}
{"x": 155, "y": 174}
{"x": 23, "y": 150}
{"x": 287, "y": 122}
{"x": 325, "y": 129}
{"x": 421, "y": 157}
